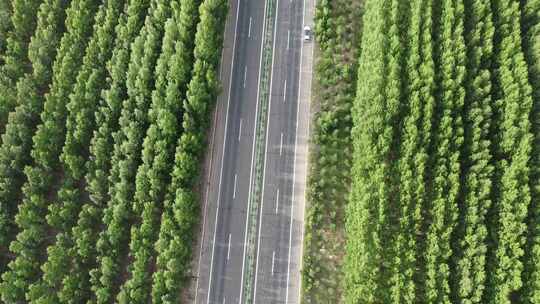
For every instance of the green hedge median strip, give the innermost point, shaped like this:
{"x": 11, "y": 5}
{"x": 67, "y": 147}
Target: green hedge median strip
{"x": 260, "y": 137}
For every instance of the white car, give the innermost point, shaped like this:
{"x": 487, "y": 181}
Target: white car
{"x": 307, "y": 33}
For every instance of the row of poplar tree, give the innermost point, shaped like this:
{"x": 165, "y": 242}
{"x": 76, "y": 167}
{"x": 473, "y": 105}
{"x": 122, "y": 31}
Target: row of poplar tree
{"x": 445, "y": 199}
{"x": 104, "y": 108}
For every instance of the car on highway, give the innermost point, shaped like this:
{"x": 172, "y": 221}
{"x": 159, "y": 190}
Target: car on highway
{"x": 307, "y": 33}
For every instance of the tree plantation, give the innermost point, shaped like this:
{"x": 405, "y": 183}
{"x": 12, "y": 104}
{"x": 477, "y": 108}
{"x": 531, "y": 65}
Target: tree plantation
{"x": 104, "y": 111}
{"x": 445, "y": 194}
{"x": 424, "y": 163}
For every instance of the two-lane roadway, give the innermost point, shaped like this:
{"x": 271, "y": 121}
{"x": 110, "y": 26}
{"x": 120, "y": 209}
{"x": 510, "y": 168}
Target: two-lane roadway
{"x": 272, "y": 272}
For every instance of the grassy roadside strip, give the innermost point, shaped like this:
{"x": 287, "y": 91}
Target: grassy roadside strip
{"x": 260, "y": 139}
{"x": 337, "y": 30}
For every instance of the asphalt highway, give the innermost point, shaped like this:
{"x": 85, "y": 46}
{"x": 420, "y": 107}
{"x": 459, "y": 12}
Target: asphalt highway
{"x": 272, "y": 270}
{"x": 230, "y": 168}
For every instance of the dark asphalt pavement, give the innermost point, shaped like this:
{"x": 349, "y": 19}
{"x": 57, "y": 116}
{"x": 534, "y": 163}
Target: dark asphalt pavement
{"x": 222, "y": 256}
{"x": 272, "y": 273}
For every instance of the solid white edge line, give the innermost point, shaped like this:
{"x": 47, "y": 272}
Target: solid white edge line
{"x": 202, "y": 237}
{"x": 208, "y": 177}
{"x": 266, "y": 151}
{"x": 223, "y": 153}
{"x": 295, "y": 157}
{"x": 252, "y": 155}
{"x": 305, "y": 189}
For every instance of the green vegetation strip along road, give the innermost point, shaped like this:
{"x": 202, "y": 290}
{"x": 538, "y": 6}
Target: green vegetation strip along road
{"x": 337, "y": 30}
{"x": 260, "y": 138}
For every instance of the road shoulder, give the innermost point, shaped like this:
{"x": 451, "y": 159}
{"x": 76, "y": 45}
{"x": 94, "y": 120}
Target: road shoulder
{"x": 301, "y": 160}
{"x": 212, "y": 160}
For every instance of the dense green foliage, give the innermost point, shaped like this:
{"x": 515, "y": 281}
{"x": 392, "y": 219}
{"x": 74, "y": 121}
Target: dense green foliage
{"x": 5, "y": 25}
{"x": 101, "y": 153}
{"x": 153, "y": 174}
{"x": 428, "y": 123}
{"x": 133, "y": 122}
{"x": 181, "y": 203}
{"x": 470, "y": 251}
{"x": 512, "y": 152}
{"x": 17, "y": 139}
{"x": 448, "y": 141}
{"x": 337, "y": 33}
{"x": 88, "y": 225}
{"x": 21, "y": 28}
{"x": 444, "y": 199}
{"x": 375, "y": 122}
{"x": 15, "y": 57}
{"x": 151, "y": 177}
{"x": 531, "y": 44}
{"x": 31, "y": 241}
{"x": 79, "y": 123}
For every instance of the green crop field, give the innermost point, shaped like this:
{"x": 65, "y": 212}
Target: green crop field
{"x": 104, "y": 110}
